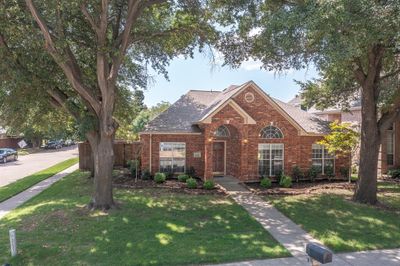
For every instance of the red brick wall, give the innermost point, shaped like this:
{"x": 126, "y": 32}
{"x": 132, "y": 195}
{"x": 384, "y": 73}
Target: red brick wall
{"x": 242, "y": 146}
{"x": 194, "y": 143}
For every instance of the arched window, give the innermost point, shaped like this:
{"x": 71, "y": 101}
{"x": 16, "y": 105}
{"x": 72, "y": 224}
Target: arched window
{"x": 271, "y": 132}
{"x": 222, "y": 131}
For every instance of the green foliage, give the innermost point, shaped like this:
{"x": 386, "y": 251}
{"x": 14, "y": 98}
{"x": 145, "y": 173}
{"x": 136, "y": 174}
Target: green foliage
{"x": 329, "y": 171}
{"x": 297, "y": 173}
{"x": 313, "y": 172}
{"x": 342, "y": 140}
{"x": 183, "y": 178}
{"x": 209, "y": 184}
{"x": 344, "y": 171}
{"x": 146, "y": 115}
{"x": 160, "y": 177}
{"x": 394, "y": 173}
{"x": 265, "y": 182}
{"x": 146, "y": 175}
{"x": 286, "y": 181}
{"x": 191, "y": 183}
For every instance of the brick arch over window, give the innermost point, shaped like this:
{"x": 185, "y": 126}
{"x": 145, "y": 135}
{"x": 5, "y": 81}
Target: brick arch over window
{"x": 222, "y": 131}
{"x": 271, "y": 132}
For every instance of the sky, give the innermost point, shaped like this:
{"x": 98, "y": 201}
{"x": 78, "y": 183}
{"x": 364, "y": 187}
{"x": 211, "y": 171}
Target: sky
{"x": 199, "y": 74}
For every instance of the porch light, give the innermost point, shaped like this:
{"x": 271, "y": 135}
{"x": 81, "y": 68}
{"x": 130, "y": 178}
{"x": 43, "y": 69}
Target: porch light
{"x": 245, "y": 141}
{"x": 210, "y": 139}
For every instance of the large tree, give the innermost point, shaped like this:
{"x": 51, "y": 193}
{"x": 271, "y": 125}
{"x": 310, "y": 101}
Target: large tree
{"x": 355, "y": 46}
{"x": 95, "y": 50}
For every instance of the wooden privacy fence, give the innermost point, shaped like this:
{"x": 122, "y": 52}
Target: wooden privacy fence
{"x": 10, "y": 143}
{"x": 123, "y": 153}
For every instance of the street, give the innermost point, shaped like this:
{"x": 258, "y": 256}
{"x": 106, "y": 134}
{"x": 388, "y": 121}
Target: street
{"x": 32, "y": 163}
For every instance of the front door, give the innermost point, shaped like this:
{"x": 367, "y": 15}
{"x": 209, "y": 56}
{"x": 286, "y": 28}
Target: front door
{"x": 219, "y": 158}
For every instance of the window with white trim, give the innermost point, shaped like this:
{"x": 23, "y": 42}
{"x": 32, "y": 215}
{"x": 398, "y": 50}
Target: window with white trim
{"x": 172, "y": 157}
{"x": 322, "y": 159}
{"x": 271, "y": 132}
{"x": 390, "y": 146}
{"x": 270, "y": 159}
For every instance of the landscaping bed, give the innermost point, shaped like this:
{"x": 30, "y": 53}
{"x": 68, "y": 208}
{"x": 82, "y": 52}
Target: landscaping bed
{"x": 153, "y": 226}
{"x": 301, "y": 187}
{"x": 123, "y": 179}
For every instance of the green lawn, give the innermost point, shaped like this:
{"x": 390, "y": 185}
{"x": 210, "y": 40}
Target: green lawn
{"x": 344, "y": 225}
{"x": 16, "y": 187}
{"x": 152, "y": 227}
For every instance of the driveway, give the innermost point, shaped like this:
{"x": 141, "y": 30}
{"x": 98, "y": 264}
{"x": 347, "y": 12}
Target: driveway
{"x": 32, "y": 163}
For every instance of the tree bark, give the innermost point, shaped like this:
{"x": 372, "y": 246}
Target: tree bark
{"x": 366, "y": 187}
{"x": 103, "y": 158}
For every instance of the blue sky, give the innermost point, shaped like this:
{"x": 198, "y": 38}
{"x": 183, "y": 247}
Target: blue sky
{"x": 198, "y": 73}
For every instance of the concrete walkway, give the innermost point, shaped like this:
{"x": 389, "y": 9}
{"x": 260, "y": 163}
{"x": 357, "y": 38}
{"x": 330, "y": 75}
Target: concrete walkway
{"x": 292, "y": 236}
{"x": 14, "y": 202}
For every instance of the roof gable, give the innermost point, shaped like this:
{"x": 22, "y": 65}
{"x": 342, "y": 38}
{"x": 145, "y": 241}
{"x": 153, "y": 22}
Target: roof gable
{"x": 199, "y": 106}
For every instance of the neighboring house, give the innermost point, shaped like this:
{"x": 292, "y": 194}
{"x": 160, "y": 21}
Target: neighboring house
{"x": 389, "y": 157}
{"x": 7, "y": 141}
{"x": 240, "y": 131}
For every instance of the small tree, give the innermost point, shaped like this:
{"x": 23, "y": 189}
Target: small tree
{"x": 343, "y": 140}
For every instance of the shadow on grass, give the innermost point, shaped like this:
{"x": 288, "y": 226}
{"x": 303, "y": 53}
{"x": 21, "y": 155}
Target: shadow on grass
{"x": 152, "y": 227}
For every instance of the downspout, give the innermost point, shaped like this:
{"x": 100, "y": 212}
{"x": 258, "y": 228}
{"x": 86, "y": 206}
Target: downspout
{"x": 150, "y": 152}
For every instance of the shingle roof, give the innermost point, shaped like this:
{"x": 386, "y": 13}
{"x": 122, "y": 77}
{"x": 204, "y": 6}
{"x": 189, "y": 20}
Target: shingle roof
{"x": 182, "y": 116}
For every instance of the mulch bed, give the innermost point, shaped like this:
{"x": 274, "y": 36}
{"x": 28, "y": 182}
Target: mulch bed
{"x": 301, "y": 188}
{"x": 124, "y": 180}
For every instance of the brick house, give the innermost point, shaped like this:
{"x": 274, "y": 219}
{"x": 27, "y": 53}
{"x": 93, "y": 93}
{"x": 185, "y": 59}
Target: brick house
{"x": 240, "y": 131}
{"x": 389, "y": 157}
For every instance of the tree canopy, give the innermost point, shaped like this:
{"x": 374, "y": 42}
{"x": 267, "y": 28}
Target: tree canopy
{"x": 354, "y": 45}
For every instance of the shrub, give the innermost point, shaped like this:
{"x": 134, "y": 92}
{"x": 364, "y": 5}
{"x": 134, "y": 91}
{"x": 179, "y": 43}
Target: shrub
{"x": 354, "y": 169}
{"x": 286, "y": 181}
{"x": 183, "y": 177}
{"x": 146, "y": 175}
{"x": 209, "y": 184}
{"x": 265, "y": 182}
{"x": 279, "y": 175}
{"x": 191, "y": 183}
{"x": 297, "y": 173}
{"x": 191, "y": 171}
{"x": 329, "y": 171}
{"x": 313, "y": 172}
{"x": 160, "y": 177}
{"x": 354, "y": 178}
{"x": 394, "y": 173}
{"x": 344, "y": 171}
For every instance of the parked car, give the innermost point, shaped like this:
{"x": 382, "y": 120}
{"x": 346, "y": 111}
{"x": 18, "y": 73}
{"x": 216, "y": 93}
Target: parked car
{"x": 69, "y": 142}
{"x": 8, "y": 155}
{"x": 54, "y": 144}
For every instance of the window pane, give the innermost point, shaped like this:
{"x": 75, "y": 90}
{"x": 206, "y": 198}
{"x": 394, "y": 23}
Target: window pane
{"x": 178, "y": 166}
{"x": 318, "y": 164}
{"x": 263, "y": 167}
{"x": 172, "y": 156}
{"x": 165, "y": 165}
{"x": 277, "y": 167}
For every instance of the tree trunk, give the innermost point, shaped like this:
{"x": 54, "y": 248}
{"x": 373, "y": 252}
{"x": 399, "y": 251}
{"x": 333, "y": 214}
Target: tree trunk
{"x": 103, "y": 158}
{"x": 366, "y": 187}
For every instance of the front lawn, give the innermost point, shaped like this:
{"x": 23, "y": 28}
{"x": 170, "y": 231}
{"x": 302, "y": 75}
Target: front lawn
{"x": 22, "y": 184}
{"x": 153, "y": 227}
{"x": 344, "y": 225}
